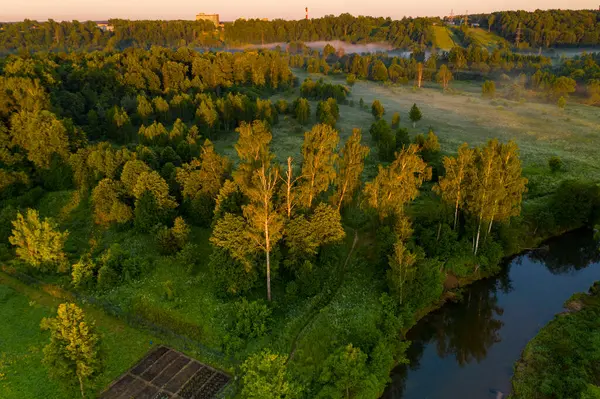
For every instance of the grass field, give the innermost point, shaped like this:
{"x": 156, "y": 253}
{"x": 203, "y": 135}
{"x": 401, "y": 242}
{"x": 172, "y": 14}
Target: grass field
{"x": 485, "y": 38}
{"x": 21, "y": 344}
{"x": 443, "y": 38}
{"x": 541, "y": 130}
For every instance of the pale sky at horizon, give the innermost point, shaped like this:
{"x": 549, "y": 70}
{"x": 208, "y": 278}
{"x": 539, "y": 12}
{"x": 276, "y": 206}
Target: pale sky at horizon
{"x": 229, "y": 10}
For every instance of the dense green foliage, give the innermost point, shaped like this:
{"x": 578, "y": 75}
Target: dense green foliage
{"x": 545, "y": 28}
{"x": 563, "y": 360}
{"x": 167, "y": 169}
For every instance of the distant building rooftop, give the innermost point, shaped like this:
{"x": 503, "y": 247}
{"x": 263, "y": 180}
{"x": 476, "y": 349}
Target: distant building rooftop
{"x": 214, "y": 18}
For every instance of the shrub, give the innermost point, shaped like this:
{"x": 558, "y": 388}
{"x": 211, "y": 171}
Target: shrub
{"x": 555, "y": 164}
{"x": 251, "y": 319}
{"x": 83, "y": 271}
{"x": 229, "y": 275}
{"x": 107, "y": 278}
{"x": 265, "y": 375}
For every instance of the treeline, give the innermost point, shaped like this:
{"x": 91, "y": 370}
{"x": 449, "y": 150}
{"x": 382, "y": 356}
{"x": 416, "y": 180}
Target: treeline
{"x": 512, "y": 73}
{"x": 544, "y": 28}
{"x": 70, "y": 36}
{"x": 475, "y": 62}
{"x": 540, "y": 28}
{"x": 64, "y": 36}
{"x": 403, "y": 33}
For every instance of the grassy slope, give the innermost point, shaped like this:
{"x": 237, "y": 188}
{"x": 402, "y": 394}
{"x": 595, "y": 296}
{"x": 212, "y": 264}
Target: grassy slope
{"x": 485, "y": 38}
{"x": 565, "y": 355}
{"x": 21, "y": 343}
{"x": 443, "y": 39}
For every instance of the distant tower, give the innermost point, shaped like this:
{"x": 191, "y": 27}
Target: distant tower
{"x": 467, "y": 18}
{"x": 306, "y": 9}
{"x": 451, "y": 18}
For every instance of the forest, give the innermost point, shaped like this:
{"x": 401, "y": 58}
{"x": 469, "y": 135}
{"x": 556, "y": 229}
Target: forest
{"x": 149, "y": 179}
{"x": 553, "y": 28}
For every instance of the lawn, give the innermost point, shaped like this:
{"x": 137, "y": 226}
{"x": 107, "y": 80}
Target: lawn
{"x": 22, "y": 342}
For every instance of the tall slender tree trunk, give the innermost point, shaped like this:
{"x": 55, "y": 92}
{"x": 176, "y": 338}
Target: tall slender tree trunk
{"x": 343, "y": 193}
{"x": 289, "y": 188}
{"x": 81, "y": 386}
{"x": 477, "y": 241}
{"x": 456, "y": 212}
{"x": 268, "y": 253}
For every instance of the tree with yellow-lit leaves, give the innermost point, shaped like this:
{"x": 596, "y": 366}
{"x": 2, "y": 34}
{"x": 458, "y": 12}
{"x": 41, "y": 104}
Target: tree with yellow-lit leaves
{"x": 72, "y": 353}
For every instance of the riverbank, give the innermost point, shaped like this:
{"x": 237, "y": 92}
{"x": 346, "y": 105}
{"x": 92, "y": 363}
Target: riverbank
{"x": 563, "y": 360}
{"x": 469, "y": 347}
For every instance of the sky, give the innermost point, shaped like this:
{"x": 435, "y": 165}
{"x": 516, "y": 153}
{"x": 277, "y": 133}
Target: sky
{"x": 229, "y": 10}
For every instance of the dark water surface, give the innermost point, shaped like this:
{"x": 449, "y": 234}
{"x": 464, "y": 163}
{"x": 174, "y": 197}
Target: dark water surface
{"x": 467, "y": 349}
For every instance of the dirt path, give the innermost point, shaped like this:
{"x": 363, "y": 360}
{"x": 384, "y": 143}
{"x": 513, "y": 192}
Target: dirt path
{"x": 314, "y": 312}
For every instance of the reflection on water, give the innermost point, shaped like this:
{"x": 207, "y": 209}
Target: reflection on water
{"x": 467, "y": 349}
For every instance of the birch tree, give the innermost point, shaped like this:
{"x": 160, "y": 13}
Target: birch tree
{"x": 350, "y": 167}
{"x": 508, "y": 202}
{"x": 73, "y": 348}
{"x": 452, "y": 187}
{"x": 318, "y": 160}
{"x": 483, "y": 191}
{"x": 257, "y": 178}
{"x": 402, "y": 270}
{"x": 397, "y": 184}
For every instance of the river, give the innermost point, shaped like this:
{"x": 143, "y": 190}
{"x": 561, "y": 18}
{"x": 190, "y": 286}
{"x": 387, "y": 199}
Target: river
{"x": 468, "y": 349}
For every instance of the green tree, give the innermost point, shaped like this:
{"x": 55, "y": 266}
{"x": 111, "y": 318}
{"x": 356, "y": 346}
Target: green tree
{"x": 395, "y": 120}
{"x": 344, "y": 371}
{"x": 402, "y": 138}
{"x": 444, "y": 76}
{"x": 302, "y": 110}
{"x": 488, "y": 90}
{"x": 153, "y": 183}
{"x": 265, "y": 376}
{"x": 386, "y": 144}
{"x": 73, "y": 349}
{"x": 555, "y": 164}
{"x": 108, "y": 205}
{"x": 497, "y": 185}
{"x": 328, "y": 112}
{"x": 379, "y": 72}
{"x": 415, "y": 115}
{"x": 453, "y": 186}
{"x": 41, "y": 135}
{"x": 318, "y": 163}
{"x": 593, "y": 92}
{"x": 351, "y": 164}
{"x": 350, "y": 79}
{"x": 402, "y": 271}
{"x": 562, "y": 102}
{"x": 39, "y": 243}
{"x": 131, "y": 172}
{"x": 397, "y": 184}
{"x": 562, "y": 87}
{"x": 305, "y": 236}
{"x": 377, "y": 109}
{"x": 257, "y": 178}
